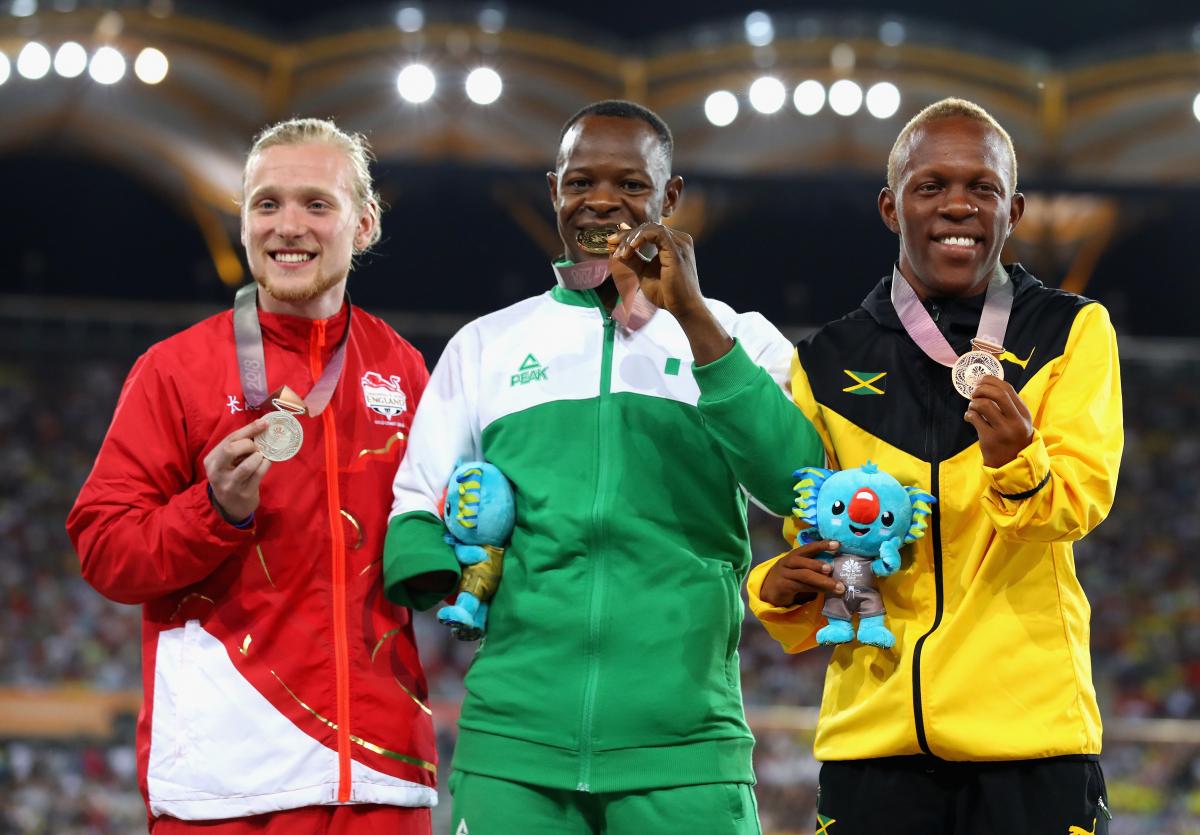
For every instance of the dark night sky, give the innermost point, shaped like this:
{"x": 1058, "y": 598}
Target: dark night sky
{"x": 1052, "y": 26}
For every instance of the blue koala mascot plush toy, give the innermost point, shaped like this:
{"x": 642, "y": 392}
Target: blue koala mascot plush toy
{"x": 871, "y": 515}
{"x": 479, "y": 513}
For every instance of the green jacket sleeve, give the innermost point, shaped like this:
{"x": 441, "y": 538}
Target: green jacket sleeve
{"x": 414, "y": 546}
{"x": 764, "y": 434}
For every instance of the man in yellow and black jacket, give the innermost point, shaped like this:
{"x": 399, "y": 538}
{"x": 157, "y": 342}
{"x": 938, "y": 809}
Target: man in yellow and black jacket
{"x": 982, "y": 720}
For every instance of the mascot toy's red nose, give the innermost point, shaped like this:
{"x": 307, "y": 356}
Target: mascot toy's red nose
{"x": 864, "y": 507}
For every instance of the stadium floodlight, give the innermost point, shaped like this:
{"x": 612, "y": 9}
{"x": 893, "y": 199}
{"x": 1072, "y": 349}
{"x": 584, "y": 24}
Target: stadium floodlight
{"x": 70, "y": 60}
{"x": 410, "y": 19}
{"x": 5, "y": 69}
{"x": 107, "y": 66}
{"x": 491, "y": 20}
{"x": 484, "y": 85}
{"x": 151, "y": 66}
{"x": 892, "y": 33}
{"x": 721, "y": 108}
{"x": 809, "y": 97}
{"x": 416, "y": 83}
{"x": 33, "y": 61}
{"x": 845, "y": 97}
{"x": 760, "y": 31}
{"x": 1196, "y": 107}
{"x": 767, "y": 94}
{"x": 883, "y": 100}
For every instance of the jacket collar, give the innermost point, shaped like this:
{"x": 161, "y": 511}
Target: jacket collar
{"x": 954, "y": 315}
{"x": 576, "y": 298}
{"x": 296, "y": 331}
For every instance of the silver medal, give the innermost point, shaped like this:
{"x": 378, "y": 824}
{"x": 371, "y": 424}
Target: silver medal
{"x": 282, "y": 437}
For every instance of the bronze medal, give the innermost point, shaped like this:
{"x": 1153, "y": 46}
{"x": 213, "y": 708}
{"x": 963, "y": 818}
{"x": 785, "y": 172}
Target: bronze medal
{"x": 972, "y": 367}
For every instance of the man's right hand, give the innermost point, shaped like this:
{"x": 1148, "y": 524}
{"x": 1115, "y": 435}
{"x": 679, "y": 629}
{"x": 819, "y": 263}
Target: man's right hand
{"x": 235, "y": 469}
{"x": 670, "y": 281}
{"x": 799, "y": 576}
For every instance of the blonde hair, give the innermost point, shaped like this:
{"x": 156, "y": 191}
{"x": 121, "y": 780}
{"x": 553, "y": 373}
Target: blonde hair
{"x": 353, "y": 145}
{"x": 945, "y": 109}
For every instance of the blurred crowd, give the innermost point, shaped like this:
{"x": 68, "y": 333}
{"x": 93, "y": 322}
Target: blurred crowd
{"x": 55, "y": 631}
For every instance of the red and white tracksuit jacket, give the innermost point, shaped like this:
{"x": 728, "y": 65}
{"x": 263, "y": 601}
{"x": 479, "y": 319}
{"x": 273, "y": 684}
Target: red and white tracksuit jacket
{"x": 276, "y": 673}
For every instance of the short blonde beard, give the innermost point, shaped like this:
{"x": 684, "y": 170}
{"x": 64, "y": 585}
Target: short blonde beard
{"x": 298, "y": 295}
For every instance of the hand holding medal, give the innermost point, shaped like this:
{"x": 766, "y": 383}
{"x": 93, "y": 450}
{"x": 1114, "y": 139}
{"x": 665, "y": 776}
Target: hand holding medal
{"x": 634, "y": 310}
{"x": 1001, "y": 419}
{"x": 283, "y": 435}
{"x": 654, "y": 266}
{"x": 998, "y": 414}
{"x": 235, "y": 469}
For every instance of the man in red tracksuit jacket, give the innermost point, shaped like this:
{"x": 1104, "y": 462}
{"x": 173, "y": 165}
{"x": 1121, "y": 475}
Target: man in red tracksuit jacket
{"x": 283, "y": 691}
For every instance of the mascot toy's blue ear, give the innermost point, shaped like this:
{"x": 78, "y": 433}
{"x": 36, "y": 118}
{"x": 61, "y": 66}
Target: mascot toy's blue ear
{"x": 806, "y": 490}
{"x": 479, "y": 511}
{"x": 479, "y": 506}
{"x": 921, "y": 508}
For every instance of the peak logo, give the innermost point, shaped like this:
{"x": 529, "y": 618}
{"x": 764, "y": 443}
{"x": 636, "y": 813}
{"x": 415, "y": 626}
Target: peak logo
{"x": 531, "y": 371}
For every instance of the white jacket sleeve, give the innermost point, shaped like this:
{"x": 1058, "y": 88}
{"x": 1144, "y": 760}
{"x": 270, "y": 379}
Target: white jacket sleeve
{"x": 445, "y": 429}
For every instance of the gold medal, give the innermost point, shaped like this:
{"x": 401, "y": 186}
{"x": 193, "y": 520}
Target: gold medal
{"x": 283, "y": 435}
{"x": 595, "y": 240}
{"x": 972, "y": 367}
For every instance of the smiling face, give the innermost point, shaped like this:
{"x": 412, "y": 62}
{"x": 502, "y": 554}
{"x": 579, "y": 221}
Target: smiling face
{"x": 953, "y": 206}
{"x": 301, "y": 226}
{"x": 611, "y": 170}
{"x": 862, "y": 509}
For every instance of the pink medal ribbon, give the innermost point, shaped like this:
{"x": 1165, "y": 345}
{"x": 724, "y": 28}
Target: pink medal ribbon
{"x": 971, "y": 367}
{"x": 632, "y": 311}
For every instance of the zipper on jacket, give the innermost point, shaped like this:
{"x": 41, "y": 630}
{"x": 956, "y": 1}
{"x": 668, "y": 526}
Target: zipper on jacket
{"x": 933, "y": 453}
{"x": 596, "y": 595}
{"x": 340, "y": 648}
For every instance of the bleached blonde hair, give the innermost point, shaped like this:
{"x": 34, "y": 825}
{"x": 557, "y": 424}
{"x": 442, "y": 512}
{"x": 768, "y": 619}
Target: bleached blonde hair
{"x": 354, "y": 145}
{"x": 945, "y": 109}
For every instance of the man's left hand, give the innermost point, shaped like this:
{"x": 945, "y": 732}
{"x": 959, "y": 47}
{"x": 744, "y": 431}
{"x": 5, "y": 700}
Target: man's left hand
{"x": 1001, "y": 419}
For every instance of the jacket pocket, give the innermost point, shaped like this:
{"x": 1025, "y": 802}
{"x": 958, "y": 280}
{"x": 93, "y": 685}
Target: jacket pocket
{"x": 172, "y": 729}
{"x": 733, "y": 624}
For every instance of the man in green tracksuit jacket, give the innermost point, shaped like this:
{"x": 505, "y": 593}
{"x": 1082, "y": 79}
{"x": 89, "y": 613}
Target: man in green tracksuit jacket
{"x": 606, "y": 695}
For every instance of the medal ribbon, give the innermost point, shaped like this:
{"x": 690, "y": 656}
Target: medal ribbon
{"x": 993, "y": 321}
{"x": 587, "y": 275}
{"x": 252, "y": 362}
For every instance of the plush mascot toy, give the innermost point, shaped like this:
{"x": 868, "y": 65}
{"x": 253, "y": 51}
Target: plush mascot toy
{"x": 872, "y": 515}
{"x": 479, "y": 513}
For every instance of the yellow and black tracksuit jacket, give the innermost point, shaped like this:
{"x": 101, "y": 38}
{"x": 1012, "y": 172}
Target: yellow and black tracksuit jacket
{"x": 991, "y": 660}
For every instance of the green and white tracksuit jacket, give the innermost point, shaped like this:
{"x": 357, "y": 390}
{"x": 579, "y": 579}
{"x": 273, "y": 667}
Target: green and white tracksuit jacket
{"x": 610, "y": 662}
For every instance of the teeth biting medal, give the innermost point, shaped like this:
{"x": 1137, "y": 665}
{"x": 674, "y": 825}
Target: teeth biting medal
{"x": 594, "y": 240}
{"x": 634, "y": 310}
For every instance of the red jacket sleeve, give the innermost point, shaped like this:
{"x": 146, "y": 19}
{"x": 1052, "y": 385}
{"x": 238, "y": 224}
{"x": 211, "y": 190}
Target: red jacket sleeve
{"x": 143, "y": 525}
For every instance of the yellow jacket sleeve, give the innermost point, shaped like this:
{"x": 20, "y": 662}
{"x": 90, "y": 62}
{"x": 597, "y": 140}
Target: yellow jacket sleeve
{"x": 1062, "y": 484}
{"x": 795, "y": 627}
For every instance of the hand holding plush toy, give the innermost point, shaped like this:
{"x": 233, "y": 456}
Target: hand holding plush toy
{"x": 872, "y": 515}
{"x": 479, "y": 513}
